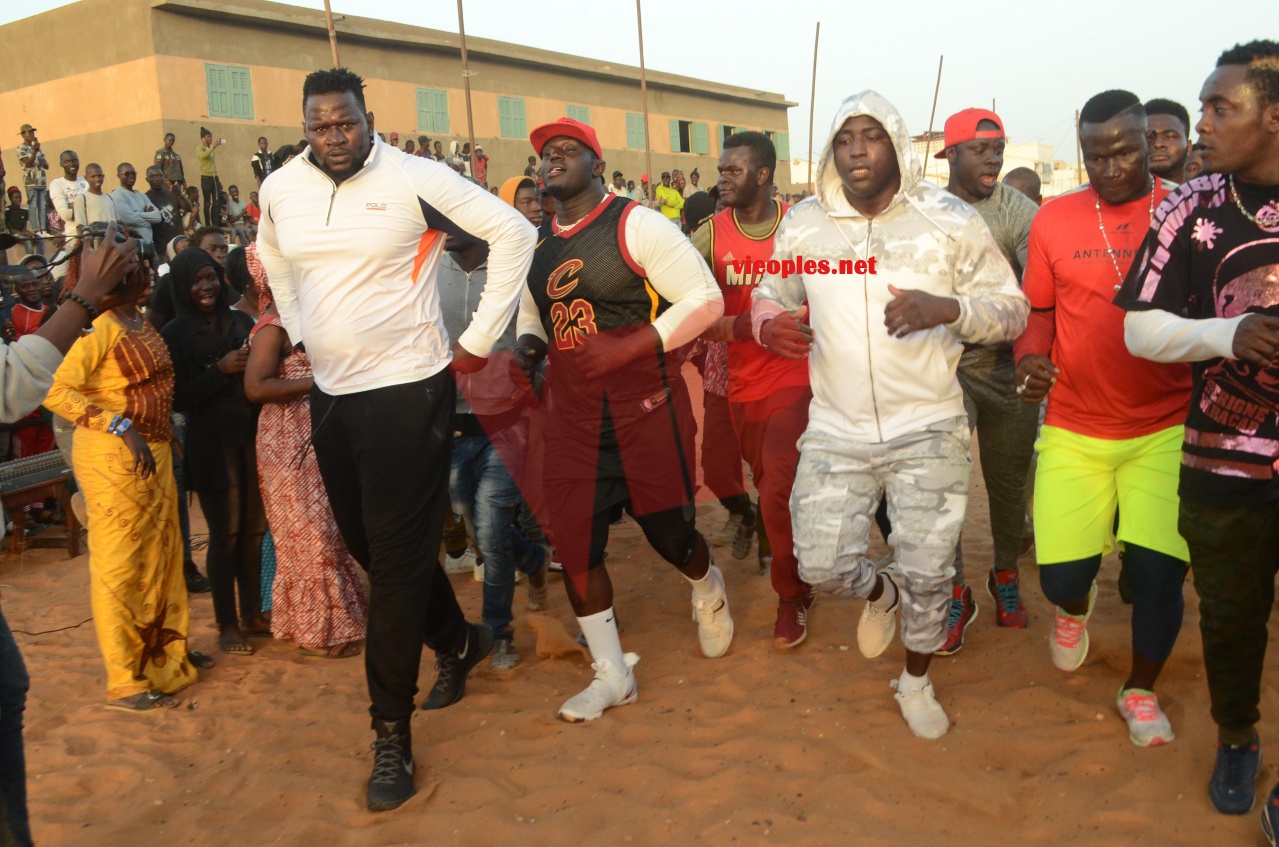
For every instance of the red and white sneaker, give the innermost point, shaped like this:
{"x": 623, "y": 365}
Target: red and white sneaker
{"x": 1069, "y": 644}
{"x": 792, "y": 621}
{"x": 1148, "y": 726}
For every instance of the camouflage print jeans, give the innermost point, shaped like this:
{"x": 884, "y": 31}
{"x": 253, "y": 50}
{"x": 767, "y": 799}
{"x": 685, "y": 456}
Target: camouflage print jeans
{"x": 838, "y": 486}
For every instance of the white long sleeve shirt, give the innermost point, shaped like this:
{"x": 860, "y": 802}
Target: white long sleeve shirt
{"x": 352, "y": 267}
{"x": 1164, "y": 337}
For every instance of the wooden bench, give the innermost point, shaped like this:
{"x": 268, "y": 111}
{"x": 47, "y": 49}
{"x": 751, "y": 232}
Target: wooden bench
{"x": 39, "y": 477}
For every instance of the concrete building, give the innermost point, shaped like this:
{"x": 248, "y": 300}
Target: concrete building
{"x": 112, "y": 76}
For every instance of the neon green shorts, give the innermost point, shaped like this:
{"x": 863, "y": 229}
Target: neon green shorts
{"x": 1080, "y": 482}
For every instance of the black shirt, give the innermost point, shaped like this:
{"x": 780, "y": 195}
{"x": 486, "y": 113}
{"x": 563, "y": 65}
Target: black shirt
{"x": 1204, "y": 259}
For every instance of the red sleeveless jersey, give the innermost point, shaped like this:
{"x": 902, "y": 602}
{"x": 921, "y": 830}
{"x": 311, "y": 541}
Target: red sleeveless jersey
{"x": 754, "y": 373}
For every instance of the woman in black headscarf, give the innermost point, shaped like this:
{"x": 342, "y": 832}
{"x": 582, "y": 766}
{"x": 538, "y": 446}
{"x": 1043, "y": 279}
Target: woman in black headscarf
{"x": 208, "y": 343}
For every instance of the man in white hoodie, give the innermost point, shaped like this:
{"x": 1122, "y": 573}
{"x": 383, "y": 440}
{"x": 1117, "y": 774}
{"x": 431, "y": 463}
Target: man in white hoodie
{"x": 899, "y": 274}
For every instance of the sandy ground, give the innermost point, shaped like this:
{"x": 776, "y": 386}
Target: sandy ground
{"x": 759, "y": 747}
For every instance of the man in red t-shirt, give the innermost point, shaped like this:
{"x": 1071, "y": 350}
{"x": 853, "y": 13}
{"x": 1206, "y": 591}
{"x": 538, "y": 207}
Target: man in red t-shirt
{"x": 1112, "y": 436}
{"x": 768, "y": 395}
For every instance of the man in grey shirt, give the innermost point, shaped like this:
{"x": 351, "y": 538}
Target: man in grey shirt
{"x": 132, "y": 207}
{"x": 490, "y": 442}
{"x": 1005, "y": 425}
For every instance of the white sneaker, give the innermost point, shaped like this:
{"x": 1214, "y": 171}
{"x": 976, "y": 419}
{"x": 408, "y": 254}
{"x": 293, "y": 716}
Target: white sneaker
{"x": 924, "y": 715}
{"x": 1069, "y": 643}
{"x": 611, "y": 687}
{"x": 464, "y": 563}
{"x": 714, "y": 623}
{"x": 875, "y": 629}
{"x": 477, "y": 572}
{"x": 1148, "y": 726}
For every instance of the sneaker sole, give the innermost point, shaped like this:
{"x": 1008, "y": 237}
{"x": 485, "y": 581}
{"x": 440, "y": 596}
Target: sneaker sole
{"x": 1083, "y": 656}
{"x": 1261, "y": 763}
{"x": 991, "y": 594}
{"x": 623, "y": 702}
{"x": 960, "y": 646}
{"x": 390, "y": 805}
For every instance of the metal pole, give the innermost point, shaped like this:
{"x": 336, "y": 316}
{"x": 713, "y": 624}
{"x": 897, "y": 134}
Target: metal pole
{"x": 648, "y": 148}
{"x": 333, "y": 37}
{"x": 466, "y": 84}
{"x": 928, "y": 139}
{"x": 1079, "y": 155}
{"x": 812, "y": 107}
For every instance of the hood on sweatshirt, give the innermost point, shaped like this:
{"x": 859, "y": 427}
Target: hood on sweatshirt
{"x": 830, "y": 189}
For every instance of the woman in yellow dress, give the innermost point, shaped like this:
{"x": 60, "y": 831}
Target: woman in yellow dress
{"x": 116, "y": 386}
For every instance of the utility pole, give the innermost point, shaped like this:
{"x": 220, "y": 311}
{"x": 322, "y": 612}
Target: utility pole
{"x": 466, "y": 84}
{"x": 648, "y": 147}
{"x": 333, "y": 37}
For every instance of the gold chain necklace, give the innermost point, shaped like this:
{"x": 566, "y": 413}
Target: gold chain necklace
{"x": 1101, "y": 225}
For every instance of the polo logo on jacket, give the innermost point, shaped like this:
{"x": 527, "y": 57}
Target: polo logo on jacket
{"x": 377, "y": 207}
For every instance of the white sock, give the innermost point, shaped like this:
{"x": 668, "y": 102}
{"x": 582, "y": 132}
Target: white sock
{"x": 907, "y": 682}
{"x": 708, "y": 586}
{"x": 887, "y": 597}
{"x": 600, "y": 630}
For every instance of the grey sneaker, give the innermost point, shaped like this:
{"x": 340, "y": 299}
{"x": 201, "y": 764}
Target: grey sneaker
{"x": 504, "y": 656}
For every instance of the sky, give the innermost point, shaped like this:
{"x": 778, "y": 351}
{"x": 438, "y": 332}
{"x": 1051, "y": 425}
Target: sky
{"x": 1039, "y": 60}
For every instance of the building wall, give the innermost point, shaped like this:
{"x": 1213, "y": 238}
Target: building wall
{"x": 130, "y": 70}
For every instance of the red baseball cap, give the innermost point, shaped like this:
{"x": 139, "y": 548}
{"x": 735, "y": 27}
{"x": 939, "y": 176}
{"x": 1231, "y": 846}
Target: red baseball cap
{"x": 962, "y": 126}
{"x": 566, "y": 127}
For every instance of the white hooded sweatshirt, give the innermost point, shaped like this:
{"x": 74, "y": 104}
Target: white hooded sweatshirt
{"x": 867, "y": 385}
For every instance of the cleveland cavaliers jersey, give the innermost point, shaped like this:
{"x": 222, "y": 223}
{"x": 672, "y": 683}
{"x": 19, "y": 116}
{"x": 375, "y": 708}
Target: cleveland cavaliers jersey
{"x": 585, "y": 282}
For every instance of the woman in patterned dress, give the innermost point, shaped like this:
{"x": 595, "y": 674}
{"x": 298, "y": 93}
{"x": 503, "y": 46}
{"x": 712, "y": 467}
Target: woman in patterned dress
{"x": 318, "y": 599}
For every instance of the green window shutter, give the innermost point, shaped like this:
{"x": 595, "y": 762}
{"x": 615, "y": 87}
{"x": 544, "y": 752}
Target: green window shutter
{"x": 504, "y": 116}
{"x": 781, "y": 140}
{"x": 241, "y": 93}
{"x": 701, "y": 140}
{"x": 425, "y": 120}
{"x": 440, "y": 111}
{"x": 675, "y": 136}
{"x": 521, "y": 130}
{"x": 580, "y": 113}
{"x": 635, "y": 131}
{"x": 432, "y": 110}
{"x": 218, "y": 88}
{"x": 230, "y": 92}
{"x": 510, "y": 117}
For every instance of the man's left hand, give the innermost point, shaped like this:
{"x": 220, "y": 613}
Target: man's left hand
{"x": 912, "y": 310}
{"x": 466, "y": 362}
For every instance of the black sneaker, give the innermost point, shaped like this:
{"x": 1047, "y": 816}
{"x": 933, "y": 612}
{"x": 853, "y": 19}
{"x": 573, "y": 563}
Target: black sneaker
{"x": 1233, "y": 788}
{"x": 392, "y": 780}
{"x": 197, "y": 583}
{"x": 1270, "y": 815}
{"x": 450, "y": 684}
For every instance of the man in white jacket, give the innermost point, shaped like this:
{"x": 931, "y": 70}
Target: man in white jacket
{"x": 351, "y": 237}
{"x": 898, "y": 274}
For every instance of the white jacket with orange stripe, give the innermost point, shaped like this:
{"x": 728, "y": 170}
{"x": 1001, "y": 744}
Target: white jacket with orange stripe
{"x": 352, "y": 267}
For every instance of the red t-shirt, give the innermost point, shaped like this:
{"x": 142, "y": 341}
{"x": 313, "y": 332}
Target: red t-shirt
{"x": 253, "y": 211}
{"x": 1103, "y": 391}
{"x": 754, "y": 373}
